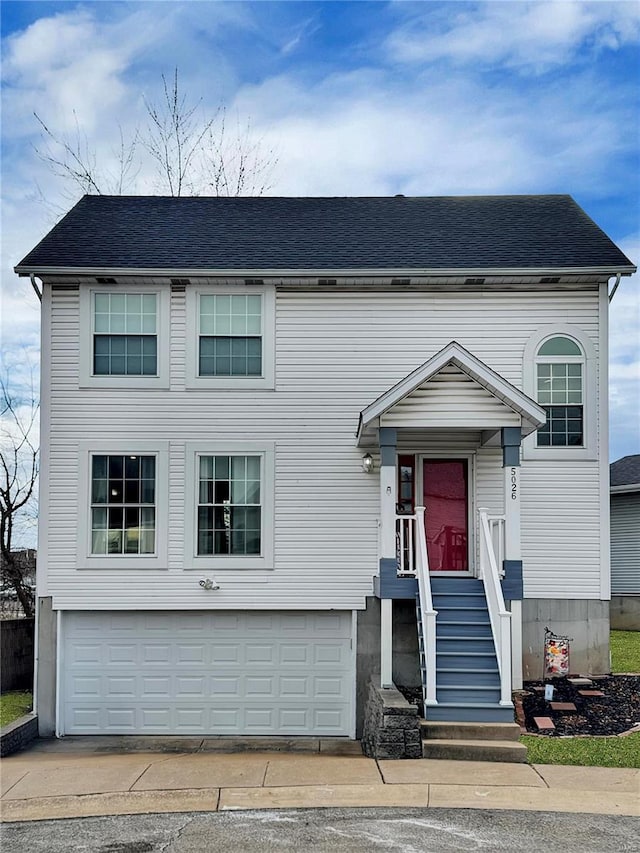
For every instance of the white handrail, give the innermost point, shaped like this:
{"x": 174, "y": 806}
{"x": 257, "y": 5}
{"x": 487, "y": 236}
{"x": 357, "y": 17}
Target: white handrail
{"x": 427, "y": 613}
{"x": 498, "y": 613}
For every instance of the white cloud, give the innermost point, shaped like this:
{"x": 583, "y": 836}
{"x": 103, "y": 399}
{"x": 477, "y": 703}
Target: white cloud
{"x": 532, "y": 36}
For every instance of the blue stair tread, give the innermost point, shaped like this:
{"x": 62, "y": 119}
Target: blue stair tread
{"x": 493, "y": 670}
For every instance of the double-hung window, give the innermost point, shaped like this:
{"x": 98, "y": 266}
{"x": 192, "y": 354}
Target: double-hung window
{"x": 124, "y": 336}
{"x": 122, "y": 518}
{"x": 123, "y": 504}
{"x": 560, "y": 391}
{"x": 125, "y": 340}
{"x": 233, "y": 341}
{"x": 230, "y": 505}
{"x": 560, "y": 373}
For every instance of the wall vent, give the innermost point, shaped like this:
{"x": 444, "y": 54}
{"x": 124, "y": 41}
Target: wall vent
{"x": 180, "y": 282}
{"x": 474, "y": 281}
{"x": 327, "y": 281}
{"x": 550, "y": 279}
{"x": 400, "y": 281}
{"x": 101, "y": 279}
{"x": 254, "y": 281}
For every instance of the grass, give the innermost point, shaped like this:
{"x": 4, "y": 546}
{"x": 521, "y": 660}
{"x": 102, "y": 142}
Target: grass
{"x": 14, "y": 705}
{"x": 584, "y": 751}
{"x": 625, "y": 651}
{"x": 595, "y": 751}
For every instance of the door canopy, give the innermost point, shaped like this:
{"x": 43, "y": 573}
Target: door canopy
{"x": 453, "y": 389}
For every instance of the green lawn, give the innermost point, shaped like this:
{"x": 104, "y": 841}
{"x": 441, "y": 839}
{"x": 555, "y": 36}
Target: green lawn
{"x": 14, "y": 705}
{"x": 595, "y": 751}
{"x": 625, "y": 651}
{"x": 584, "y": 751}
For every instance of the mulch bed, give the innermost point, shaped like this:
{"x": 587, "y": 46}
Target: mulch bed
{"x": 615, "y": 712}
{"x": 612, "y": 714}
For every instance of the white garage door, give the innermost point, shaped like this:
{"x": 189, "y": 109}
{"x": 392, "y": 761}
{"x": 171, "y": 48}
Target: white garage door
{"x": 249, "y": 672}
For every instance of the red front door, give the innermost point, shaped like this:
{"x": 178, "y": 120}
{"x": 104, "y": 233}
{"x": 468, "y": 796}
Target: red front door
{"x": 446, "y": 498}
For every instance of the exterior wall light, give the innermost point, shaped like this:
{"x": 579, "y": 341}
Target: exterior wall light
{"x": 367, "y": 463}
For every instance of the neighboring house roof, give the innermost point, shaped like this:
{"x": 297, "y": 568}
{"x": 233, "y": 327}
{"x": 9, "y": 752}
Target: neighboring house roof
{"x": 533, "y": 415}
{"x": 464, "y": 233}
{"x": 624, "y": 474}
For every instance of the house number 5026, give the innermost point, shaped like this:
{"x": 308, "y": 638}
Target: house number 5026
{"x": 514, "y": 484}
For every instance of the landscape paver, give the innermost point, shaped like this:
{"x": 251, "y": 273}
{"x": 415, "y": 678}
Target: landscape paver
{"x": 324, "y": 796}
{"x": 201, "y": 770}
{"x": 443, "y": 772}
{"x": 591, "y": 778}
{"x": 322, "y": 770}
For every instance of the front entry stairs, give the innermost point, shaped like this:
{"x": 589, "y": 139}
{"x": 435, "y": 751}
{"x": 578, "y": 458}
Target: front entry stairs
{"x": 468, "y": 721}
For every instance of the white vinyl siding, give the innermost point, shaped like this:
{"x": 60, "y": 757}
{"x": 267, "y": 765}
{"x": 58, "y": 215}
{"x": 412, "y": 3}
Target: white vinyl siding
{"x": 336, "y": 353}
{"x": 450, "y": 399}
{"x": 207, "y": 673}
{"x": 625, "y": 544}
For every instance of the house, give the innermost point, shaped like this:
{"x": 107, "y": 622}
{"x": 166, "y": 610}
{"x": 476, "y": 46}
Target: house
{"x": 625, "y": 543}
{"x": 246, "y": 406}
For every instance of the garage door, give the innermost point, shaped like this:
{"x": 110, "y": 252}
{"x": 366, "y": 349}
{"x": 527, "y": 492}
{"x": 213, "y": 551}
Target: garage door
{"x": 253, "y": 673}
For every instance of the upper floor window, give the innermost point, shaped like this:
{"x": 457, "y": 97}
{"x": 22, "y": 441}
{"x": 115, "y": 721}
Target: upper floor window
{"x": 123, "y": 504}
{"x": 122, "y": 512}
{"x": 560, "y": 391}
{"x": 125, "y": 334}
{"x": 233, "y": 345}
{"x": 229, "y": 505}
{"x": 560, "y": 372}
{"x": 230, "y": 334}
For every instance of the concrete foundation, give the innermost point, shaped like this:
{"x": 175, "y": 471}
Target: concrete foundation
{"x": 586, "y": 622}
{"x": 624, "y": 612}
{"x": 45, "y": 666}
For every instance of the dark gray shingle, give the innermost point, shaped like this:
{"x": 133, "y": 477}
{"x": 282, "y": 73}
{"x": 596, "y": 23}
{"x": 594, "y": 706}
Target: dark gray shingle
{"x": 625, "y": 471}
{"x": 466, "y": 232}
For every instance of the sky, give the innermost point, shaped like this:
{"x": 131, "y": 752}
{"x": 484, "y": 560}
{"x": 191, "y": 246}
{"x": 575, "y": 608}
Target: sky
{"x": 354, "y": 98}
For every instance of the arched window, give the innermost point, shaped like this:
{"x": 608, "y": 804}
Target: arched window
{"x": 560, "y": 390}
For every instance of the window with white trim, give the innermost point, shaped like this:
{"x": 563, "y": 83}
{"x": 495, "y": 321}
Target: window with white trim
{"x": 124, "y": 336}
{"x": 125, "y": 341}
{"x": 560, "y": 373}
{"x": 229, "y": 506}
{"x": 123, "y": 504}
{"x": 231, "y": 333}
{"x": 122, "y": 517}
{"x": 559, "y": 382}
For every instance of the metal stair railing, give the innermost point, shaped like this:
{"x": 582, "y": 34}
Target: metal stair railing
{"x": 498, "y": 614}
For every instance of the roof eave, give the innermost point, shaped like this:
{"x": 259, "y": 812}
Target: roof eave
{"x": 263, "y": 272}
{"x": 627, "y": 487}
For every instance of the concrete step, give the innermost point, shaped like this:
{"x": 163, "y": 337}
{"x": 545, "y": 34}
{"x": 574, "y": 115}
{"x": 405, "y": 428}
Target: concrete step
{"x": 434, "y": 729}
{"x": 475, "y": 750}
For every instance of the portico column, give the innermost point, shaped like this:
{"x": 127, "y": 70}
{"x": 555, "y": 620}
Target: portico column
{"x": 388, "y": 441}
{"x": 511, "y": 438}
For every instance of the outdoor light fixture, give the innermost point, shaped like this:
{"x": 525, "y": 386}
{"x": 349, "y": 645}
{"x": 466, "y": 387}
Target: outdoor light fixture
{"x": 367, "y": 463}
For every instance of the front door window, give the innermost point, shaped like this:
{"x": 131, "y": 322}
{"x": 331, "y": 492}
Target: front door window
{"x": 445, "y": 493}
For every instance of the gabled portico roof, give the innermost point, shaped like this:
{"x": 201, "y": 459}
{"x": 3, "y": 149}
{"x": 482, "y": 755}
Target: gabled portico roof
{"x": 532, "y": 415}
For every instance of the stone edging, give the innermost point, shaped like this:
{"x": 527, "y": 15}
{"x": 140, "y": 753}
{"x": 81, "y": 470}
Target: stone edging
{"x": 391, "y": 725}
{"x": 18, "y": 734}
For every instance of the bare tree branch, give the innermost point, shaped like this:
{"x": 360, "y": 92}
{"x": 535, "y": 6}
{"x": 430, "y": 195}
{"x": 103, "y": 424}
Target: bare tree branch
{"x": 18, "y": 481}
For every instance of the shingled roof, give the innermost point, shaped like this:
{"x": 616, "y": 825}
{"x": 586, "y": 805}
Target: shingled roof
{"x": 396, "y": 233}
{"x": 626, "y": 471}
